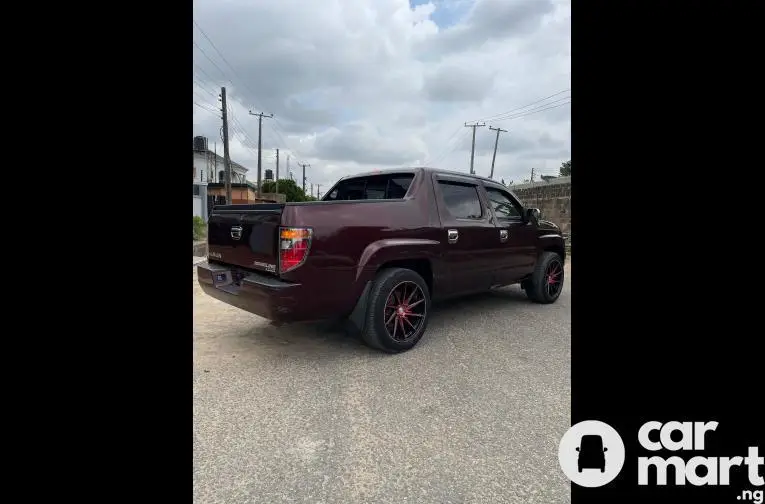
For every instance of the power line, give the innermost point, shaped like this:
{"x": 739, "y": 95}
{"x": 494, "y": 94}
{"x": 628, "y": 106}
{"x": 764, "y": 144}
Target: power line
{"x": 492, "y": 118}
{"x": 202, "y": 88}
{"x": 277, "y": 124}
{"x": 211, "y": 61}
{"x": 520, "y": 115}
{"x": 203, "y": 72}
{"x": 538, "y": 107}
{"x": 216, "y": 112}
{"x": 455, "y": 140}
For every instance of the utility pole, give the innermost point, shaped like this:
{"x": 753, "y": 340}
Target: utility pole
{"x": 312, "y": 189}
{"x": 496, "y": 142}
{"x": 260, "y": 115}
{"x": 226, "y": 159}
{"x": 318, "y": 191}
{"x": 304, "y": 165}
{"x": 277, "y": 172}
{"x": 472, "y": 150}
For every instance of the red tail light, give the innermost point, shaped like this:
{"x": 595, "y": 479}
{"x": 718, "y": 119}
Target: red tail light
{"x": 294, "y": 244}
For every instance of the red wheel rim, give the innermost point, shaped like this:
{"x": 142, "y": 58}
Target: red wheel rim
{"x": 553, "y": 278}
{"x": 405, "y": 310}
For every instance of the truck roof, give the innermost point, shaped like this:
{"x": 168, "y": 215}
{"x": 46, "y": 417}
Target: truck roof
{"x": 413, "y": 169}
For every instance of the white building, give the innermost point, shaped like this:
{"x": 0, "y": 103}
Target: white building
{"x": 209, "y": 167}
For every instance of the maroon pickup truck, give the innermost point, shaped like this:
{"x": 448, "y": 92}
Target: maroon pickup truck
{"x": 377, "y": 249}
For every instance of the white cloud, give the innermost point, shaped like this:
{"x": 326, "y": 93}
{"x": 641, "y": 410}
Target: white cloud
{"x": 356, "y": 85}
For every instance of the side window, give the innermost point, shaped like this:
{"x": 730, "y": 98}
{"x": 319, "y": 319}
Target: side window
{"x": 462, "y": 200}
{"x": 398, "y": 186}
{"x": 196, "y": 190}
{"x": 502, "y": 204}
{"x": 375, "y": 188}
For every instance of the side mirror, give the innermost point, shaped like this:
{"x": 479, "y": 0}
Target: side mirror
{"x": 605, "y": 449}
{"x": 532, "y": 214}
{"x": 577, "y": 448}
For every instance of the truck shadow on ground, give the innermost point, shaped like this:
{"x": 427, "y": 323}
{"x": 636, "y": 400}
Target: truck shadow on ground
{"x": 323, "y": 339}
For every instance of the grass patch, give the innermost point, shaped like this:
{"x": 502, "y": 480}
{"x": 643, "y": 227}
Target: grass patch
{"x": 200, "y": 228}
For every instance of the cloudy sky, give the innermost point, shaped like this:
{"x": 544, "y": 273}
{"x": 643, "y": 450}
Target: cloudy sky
{"x": 358, "y": 85}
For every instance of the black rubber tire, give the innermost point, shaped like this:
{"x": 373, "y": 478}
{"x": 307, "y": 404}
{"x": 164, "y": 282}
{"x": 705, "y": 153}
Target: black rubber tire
{"x": 374, "y": 334}
{"x": 535, "y": 286}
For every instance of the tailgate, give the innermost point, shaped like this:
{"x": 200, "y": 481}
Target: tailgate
{"x": 245, "y": 235}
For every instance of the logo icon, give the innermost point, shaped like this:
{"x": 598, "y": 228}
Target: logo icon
{"x": 591, "y": 453}
{"x": 236, "y": 232}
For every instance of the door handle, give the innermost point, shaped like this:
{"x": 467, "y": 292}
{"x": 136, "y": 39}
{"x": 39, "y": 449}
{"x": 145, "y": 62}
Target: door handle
{"x": 452, "y": 235}
{"x": 503, "y": 235}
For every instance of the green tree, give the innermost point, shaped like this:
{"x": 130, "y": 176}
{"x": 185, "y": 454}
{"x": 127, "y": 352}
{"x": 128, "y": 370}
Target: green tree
{"x": 289, "y": 188}
{"x": 565, "y": 169}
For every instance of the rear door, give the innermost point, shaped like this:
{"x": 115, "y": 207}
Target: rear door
{"x": 518, "y": 237}
{"x": 469, "y": 236}
{"x": 245, "y": 235}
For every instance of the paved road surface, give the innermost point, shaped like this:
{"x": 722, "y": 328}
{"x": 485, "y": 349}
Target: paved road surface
{"x": 304, "y": 414}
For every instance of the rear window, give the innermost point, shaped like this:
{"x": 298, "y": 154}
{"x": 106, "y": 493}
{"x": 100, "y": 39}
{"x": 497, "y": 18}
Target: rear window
{"x": 393, "y": 186}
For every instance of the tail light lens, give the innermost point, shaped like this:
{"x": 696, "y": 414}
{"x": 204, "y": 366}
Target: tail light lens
{"x": 294, "y": 244}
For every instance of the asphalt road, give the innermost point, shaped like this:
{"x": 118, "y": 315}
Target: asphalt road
{"x": 297, "y": 414}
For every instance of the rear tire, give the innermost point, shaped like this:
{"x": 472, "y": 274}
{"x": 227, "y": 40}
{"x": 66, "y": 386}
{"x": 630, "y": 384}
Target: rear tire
{"x": 546, "y": 282}
{"x": 394, "y": 323}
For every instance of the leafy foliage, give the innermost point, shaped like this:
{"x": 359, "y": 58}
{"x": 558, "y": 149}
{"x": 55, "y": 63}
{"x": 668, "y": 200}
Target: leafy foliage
{"x": 565, "y": 169}
{"x": 289, "y": 188}
{"x": 200, "y": 228}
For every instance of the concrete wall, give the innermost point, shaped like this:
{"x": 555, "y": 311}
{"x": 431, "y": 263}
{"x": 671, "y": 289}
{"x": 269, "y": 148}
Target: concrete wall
{"x": 198, "y": 207}
{"x": 553, "y": 198}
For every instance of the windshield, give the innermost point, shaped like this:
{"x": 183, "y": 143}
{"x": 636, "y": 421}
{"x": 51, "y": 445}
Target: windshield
{"x": 391, "y": 186}
{"x": 591, "y": 443}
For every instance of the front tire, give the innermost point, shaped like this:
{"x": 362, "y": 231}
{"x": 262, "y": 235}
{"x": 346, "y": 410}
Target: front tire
{"x": 546, "y": 282}
{"x": 397, "y": 311}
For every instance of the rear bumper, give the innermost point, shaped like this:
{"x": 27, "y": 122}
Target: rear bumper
{"x": 256, "y": 293}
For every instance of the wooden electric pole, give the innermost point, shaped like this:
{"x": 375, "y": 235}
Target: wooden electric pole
{"x": 304, "y": 165}
{"x": 260, "y": 115}
{"x": 226, "y": 159}
{"x": 472, "y": 150}
{"x": 496, "y": 142}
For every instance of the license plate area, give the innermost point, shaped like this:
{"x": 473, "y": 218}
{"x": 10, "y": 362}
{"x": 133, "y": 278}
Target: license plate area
{"x": 228, "y": 280}
{"x": 222, "y": 278}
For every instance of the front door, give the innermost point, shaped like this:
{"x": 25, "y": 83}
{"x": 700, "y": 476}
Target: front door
{"x": 517, "y": 236}
{"x": 469, "y": 235}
